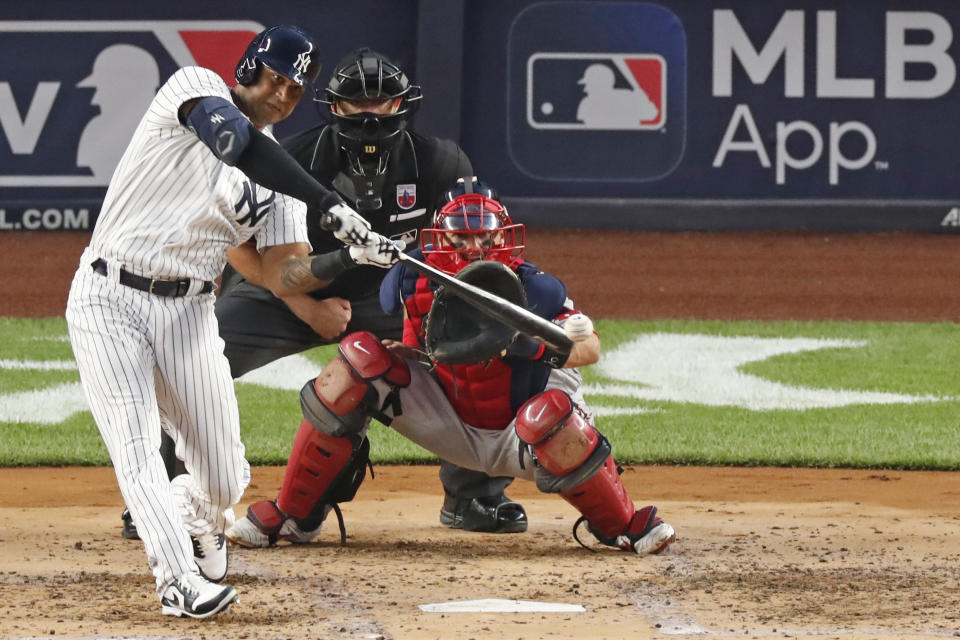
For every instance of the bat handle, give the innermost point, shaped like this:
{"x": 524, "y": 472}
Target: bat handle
{"x": 329, "y": 222}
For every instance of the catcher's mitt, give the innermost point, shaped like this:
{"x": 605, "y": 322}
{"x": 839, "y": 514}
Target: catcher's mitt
{"x": 456, "y": 332}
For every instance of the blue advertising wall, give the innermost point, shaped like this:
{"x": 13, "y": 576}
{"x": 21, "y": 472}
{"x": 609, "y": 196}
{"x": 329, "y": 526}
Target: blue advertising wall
{"x": 77, "y": 77}
{"x": 838, "y": 115}
{"x": 681, "y": 114}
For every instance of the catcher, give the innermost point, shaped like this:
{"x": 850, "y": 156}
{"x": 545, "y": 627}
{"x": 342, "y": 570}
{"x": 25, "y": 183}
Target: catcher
{"x": 489, "y": 399}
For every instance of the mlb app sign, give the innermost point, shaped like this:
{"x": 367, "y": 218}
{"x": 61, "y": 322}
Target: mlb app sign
{"x": 72, "y": 92}
{"x": 596, "y": 91}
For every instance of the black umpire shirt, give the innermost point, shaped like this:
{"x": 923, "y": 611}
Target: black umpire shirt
{"x": 420, "y": 170}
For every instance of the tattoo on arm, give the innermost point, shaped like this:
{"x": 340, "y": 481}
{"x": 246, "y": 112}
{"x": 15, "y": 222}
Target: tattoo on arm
{"x": 297, "y": 274}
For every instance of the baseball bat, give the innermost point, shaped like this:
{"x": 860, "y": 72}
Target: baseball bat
{"x": 512, "y": 315}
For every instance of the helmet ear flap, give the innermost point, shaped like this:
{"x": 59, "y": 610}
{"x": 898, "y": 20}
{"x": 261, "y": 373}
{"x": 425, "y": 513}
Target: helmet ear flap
{"x": 247, "y": 72}
{"x": 247, "y": 69}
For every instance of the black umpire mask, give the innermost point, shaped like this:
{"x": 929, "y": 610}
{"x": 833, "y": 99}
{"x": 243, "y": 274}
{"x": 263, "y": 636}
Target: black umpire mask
{"x": 366, "y": 139}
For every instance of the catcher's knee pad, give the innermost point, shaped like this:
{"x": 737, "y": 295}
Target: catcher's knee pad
{"x": 321, "y": 469}
{"x": 329, "y": 455}
{"x": 574, "y": 460}
{"x": 341, "y": 399}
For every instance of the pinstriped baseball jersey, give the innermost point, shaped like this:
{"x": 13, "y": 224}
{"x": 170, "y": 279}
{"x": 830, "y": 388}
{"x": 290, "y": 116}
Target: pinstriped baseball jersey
{"x": 173, "y": 208}
{"x": 151, "y": 361}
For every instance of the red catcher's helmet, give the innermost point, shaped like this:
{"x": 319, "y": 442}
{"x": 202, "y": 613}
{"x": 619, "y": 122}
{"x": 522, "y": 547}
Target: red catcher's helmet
{"x": 472, "y": 227}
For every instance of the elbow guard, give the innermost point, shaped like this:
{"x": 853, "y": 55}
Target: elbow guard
{"x": 221, "y": 126}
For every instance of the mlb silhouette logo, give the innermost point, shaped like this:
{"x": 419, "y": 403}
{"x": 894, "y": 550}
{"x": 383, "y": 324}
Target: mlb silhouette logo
{"x": 406, "y": 195}
{"x": 611, "y": 106}
{"x": 72, "y": 92}
{"x": 600, "y": 91}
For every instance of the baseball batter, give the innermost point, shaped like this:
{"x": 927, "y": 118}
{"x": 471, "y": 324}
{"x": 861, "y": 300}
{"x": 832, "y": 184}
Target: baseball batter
{"x": 201, "y": 174}
{"x": 509, "y": 408}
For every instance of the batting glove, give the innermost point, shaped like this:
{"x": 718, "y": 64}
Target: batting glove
{"x": 348, "y": 226}
{"x": 382, "y": 251}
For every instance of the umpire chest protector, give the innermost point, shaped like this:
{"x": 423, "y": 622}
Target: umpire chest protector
{"x": 420, "y": 169}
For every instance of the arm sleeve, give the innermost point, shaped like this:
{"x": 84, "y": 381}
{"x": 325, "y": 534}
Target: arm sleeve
{"x": 266, "y": 163}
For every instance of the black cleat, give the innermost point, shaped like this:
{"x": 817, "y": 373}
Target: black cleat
{"x": 489, "y": 514}
{"x": 129, "y": 530}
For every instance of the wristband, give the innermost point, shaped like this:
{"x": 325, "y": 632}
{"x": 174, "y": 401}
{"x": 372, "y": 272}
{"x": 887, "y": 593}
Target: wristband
{"x": 555, "y": 358}
{"x": 328, "y": 266}
{"x": 331, "y": 199}
{"x": 527, "y": 348}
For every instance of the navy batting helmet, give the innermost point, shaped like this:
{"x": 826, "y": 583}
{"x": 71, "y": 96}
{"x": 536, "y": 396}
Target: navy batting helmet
{"x": 286, "y": 49}
{"x": 470, "y": 184}
{"x": 364, "y": 76}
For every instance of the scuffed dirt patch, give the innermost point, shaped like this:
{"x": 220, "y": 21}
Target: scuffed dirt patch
{"x": 761, "y": 552}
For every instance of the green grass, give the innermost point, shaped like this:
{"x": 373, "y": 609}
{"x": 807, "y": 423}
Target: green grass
{"x": 898, "y": 358}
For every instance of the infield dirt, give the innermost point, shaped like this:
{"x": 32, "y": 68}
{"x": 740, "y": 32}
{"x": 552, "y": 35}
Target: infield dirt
{"x": 761, "y": 552}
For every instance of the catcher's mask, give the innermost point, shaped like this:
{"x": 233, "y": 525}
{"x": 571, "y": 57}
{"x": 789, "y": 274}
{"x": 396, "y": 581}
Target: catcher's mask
{"x": 472, "y": 227}
{"x": 366, "y": 77}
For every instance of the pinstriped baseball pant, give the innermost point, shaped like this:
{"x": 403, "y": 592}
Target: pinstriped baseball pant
{"x": 143, "y": 357}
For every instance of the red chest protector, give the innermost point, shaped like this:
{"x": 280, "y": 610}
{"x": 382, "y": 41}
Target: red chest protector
{"x": 479, "y": 393}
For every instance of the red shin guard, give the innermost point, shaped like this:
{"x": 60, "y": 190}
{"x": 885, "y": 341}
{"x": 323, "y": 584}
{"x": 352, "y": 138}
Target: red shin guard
{"x": 567, "y": 446}
{"x": 603, "y": 501}
{"x": 315, "y": 461}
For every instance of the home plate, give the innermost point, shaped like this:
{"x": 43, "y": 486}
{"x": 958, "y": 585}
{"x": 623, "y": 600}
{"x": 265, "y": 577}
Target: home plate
{"x": 495, "y": 605}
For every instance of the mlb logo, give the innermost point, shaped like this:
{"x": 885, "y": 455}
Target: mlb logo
{"x": 611, "y": 106}
{"x": 73, "y": 91}
{"x": 406, "y": 195}
{"x": 599, "y": 91}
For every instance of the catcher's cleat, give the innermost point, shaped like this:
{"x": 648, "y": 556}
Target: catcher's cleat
{"x": 192, "y": 596}
{"x": 210, "y": 554}
{"x": 129, "y": 530}
{"x": 489, "y": 514}
{"x": 265, "y": 525}
{"x": 645, "y": 535}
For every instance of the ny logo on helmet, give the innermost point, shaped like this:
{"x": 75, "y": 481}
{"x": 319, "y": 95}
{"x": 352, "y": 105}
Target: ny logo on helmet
{"x": 303, "y": 60}
{"x": 264, "y": 46}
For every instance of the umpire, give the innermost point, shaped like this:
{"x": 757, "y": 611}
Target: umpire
{"x": 396, "y": 179}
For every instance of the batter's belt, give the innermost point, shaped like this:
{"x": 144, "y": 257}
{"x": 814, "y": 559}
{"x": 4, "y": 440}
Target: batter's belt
{"x": 166, "y": 288}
